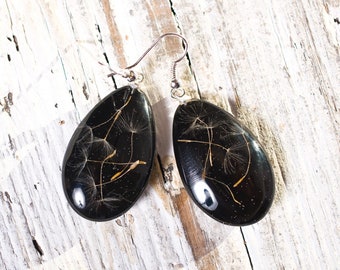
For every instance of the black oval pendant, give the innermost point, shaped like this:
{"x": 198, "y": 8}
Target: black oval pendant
{"x": 223, "y": 167}
{"x": 110, "y": 155}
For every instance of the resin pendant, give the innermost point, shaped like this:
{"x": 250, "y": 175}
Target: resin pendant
{"x": 223, "y": 167}
{"x": 109, "y": 158}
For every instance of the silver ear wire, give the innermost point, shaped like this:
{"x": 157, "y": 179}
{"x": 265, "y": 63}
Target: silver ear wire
{"x": 177, "y": 92}
{"x": 130, "y": 75}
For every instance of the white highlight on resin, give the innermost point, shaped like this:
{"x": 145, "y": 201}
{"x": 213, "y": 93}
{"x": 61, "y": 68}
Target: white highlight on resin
{"x": 78, "y": 197}
{"x": 204, "y": 195}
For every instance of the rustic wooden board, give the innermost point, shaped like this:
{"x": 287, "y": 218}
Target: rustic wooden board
{"x": 273, "y": 64}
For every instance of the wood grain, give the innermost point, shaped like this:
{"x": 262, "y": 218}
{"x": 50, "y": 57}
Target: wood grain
{"x": 273, "y": 64}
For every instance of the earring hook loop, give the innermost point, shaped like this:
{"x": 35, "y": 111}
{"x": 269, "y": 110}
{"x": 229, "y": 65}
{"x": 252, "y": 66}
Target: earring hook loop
{"x": 156, "y": 42}
{"x": 130, "y": 75}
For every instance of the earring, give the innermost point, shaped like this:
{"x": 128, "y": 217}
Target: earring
{"x": 223, "y": 167}
{"x": 109, "y": 158}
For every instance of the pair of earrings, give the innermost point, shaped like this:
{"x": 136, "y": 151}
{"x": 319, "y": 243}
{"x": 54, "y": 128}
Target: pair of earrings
{"x": 110, "y": 155}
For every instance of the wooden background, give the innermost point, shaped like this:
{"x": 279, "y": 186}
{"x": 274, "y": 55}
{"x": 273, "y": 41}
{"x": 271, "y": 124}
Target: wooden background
{"x": 274, "y": 64}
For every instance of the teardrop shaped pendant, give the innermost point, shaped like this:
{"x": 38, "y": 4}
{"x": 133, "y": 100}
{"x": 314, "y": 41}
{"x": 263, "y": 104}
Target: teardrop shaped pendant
{"x": 223, "y": 167}
{"x": 110, "y": 155}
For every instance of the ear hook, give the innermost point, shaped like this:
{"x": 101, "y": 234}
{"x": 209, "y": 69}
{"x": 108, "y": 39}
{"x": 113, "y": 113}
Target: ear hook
{"x": 174, "y": 83}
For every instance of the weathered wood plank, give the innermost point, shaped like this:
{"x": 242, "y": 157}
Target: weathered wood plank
{"x": 282, "y": 62}
{"x": 273, "y": 64}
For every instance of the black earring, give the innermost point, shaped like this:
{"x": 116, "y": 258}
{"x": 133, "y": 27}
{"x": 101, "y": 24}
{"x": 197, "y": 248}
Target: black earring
{"x": 223, "y": 167}
{"x": 109, "y": 158}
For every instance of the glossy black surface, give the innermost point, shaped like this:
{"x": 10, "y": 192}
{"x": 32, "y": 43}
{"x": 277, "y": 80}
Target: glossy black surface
{"x": 223, "y": 167}
{"x": 109, "y": 158}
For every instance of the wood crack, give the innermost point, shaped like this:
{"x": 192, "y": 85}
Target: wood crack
{"x": 37, "y": 247}
{"x": 245, "y": 245}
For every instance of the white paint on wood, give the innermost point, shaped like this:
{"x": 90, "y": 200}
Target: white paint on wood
{"x": 275, "y": 64}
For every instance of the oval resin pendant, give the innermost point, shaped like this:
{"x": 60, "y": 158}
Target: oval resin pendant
{"x": 223, "y": 167}
{"x": 110, "y": 155}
